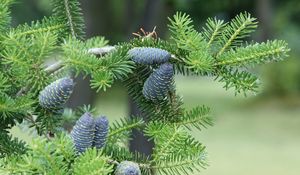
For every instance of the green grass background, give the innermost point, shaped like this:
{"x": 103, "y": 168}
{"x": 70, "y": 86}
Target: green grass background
{"x": 251, "y": 136}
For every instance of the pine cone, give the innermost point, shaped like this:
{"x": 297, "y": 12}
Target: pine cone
{"x": 101, "y": 131}
{"x": 55, "y": 95}
{"x": 149, "y": 55}
{"x": 83, "y": 132}
{"x": 159, "y": 83}
{"x": 128, "y": 168}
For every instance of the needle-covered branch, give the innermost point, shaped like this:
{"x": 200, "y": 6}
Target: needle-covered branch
{"x": 32, "y": 89}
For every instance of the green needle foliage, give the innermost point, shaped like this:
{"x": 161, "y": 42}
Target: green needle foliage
{"x": 217, "y": 51}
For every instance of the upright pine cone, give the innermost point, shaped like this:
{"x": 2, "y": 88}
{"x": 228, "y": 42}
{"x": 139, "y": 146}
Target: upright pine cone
{"x": 149, "y": 55}
{"x": 128, "y": 168}
{"x": 83, "y": 132}
{"x": 101, "y": 131}
{"x": 55, "y": 95}
{"x": 159, "y": 83}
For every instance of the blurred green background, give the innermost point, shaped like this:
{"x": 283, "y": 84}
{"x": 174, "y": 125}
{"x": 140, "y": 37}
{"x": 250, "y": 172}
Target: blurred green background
{"x": 259, "y": 134}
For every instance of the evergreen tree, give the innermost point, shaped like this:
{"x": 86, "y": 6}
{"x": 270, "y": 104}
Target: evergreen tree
{"x": 34, "y": 92}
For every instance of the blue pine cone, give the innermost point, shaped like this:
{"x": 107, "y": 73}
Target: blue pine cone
{"x": 83, "y": 132}
{"x": 101, "y": 131}
{"x": 128, "y": 168}
{"x": 55, "y": 95}
{"x": 149, "y": 55}
{"x": 159, "y": 83}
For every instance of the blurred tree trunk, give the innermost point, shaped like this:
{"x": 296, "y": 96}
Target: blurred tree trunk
{"x": 265, "y": 16}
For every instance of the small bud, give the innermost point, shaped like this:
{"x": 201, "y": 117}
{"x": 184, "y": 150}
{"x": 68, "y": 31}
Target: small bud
{"x": 83, "y": 132}
{"x": 149, "y": 55}
{"x": 128, "y": 168}
{"x": 159, "y": 83}
{"x": 55, "y": 95}
{"x": 101, "y": 131}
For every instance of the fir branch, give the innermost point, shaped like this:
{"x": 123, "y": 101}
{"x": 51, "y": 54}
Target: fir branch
{"x": 10, "y": 108}
{"x": 175, "y": 150}
{"x": 5, "y": 17}
{"x": 45, "y": 25}
{"x": 200, "y": 62}
{"x": 241, "y": 81}
{"x": 98, "y": 42}
{"x": 4, "y": 84}
{"x": 10, "y": 146}
{"x": 101, "y": 80}
{"x": 92, "y": 162}
{"x": 123, "y": 127}
{"x": 42, "y": 158}
{"x": 177, "y": 164}
{"x": 184, "y": 34}
{"x": 69, "y": 12}
{"x": 60, "y": 64}
{"x": 239, "y": 27}
{"x": 120, "y": 153}
{"x": 25, "y": 57}
{"x": 198, "y": 117}
{"x": 213, "y": 30}
{"x": 77, "y": 56}
{"x": 114, "y": 65}
{"x": 255, "y": 54}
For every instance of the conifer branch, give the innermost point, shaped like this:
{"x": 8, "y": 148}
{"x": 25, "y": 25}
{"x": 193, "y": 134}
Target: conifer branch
{"x": 60, "y": 64}
{"x": 69, "y": 12}
{"x": 147, "y": 64}
{"x": 121, "y": 126}
{"x": 5, "y": 17}
{"x": 70, "y": 20}
{"x": 240, "y": 27}
{"x": 254, "y": 54}
{"x": 199, "y": 117}
{"x": 213, "y": 30}
{"x": 50, "y": 24}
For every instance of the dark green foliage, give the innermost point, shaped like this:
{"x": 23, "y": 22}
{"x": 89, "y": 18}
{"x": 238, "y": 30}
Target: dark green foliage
{"x": 83, "y": 133}
{"x": 218, "y": 49}
{"x": 47, "y": 24}
{"x": 112, "y": 66}
{"x": 159, "y": 83}
{"x": 175, "y": 150}
{"x": 69, "y": 12}
{"x": 101, "y": 131}
{"x": 13, "y": 110}
{"x": 241, "y": 81}
{"x": 43, "y": 157}
{"x": 25, "y": 51}
{"x": 121, "y": 130}
{"x": 198, "y": 117}
{"x": 92, "y": 162}
{"x": 5, "y": 18}
{"x": 237, "y": 29}
{"x": 10, "y": 146}
{"x": 128, "y": 168}
{"x": 148, "y": 55}
{"x": 255, "y": 54}
{"x": 4, "y": 84}
{"x": 24, "y": 58}
{"x": 55, "y": 95}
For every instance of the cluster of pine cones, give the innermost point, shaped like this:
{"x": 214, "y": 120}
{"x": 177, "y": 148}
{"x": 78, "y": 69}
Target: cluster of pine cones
{"x": 91, "y": 132}
{"x": 158, "y": 84}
